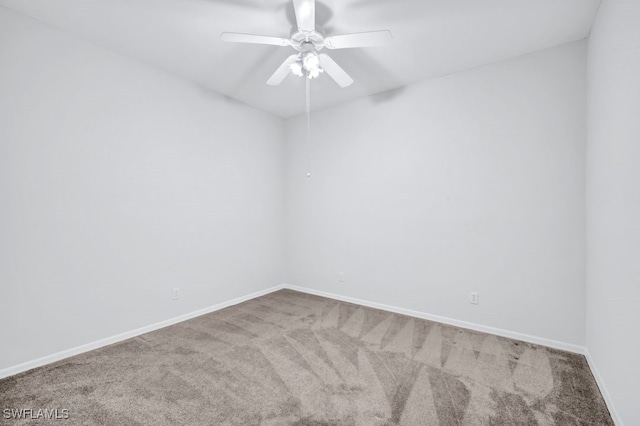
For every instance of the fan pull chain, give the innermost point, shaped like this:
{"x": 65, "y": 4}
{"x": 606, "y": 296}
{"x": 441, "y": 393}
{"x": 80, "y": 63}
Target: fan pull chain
{"x": 308, "y": 83}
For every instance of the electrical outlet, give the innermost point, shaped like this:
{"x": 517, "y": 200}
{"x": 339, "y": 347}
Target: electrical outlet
{"x": 175, "y": 295}
{"x": 341, "y": 277}
{"x": 473, "y": 298}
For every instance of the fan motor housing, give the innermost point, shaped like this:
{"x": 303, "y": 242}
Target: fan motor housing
{"x": 302, "y": 38}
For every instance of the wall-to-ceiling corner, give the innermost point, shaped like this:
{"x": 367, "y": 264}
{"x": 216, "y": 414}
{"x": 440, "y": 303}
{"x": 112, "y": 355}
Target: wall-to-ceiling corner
{"x": 471, "y": 182}
{"x": 613, "y": 205}
{"x": 118, "y": 183}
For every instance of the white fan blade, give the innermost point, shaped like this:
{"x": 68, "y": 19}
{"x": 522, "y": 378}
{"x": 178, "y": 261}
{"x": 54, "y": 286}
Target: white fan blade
{"x": 368, "y": 39}
{"x": 282, "y": 72}
{"x": 255, "y": 39}
{"x": 335, "y": 72}
{"x": 305, "y": 14}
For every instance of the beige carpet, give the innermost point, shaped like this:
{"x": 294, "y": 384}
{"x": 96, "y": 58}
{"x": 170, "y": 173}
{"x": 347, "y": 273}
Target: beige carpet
{"x": 289, "y": 358}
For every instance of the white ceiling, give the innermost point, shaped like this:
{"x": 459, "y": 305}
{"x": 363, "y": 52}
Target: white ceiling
{"x": 431, "y": 38}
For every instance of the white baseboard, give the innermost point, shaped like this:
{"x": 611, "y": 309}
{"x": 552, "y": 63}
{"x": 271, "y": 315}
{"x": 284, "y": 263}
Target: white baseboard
{"x": 569, "y": 347}
{"x": 29, "y": 365}
{"x": 603, "y": 389}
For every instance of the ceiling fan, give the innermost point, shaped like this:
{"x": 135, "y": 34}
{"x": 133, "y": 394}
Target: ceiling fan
{"x": 308, "y": 41}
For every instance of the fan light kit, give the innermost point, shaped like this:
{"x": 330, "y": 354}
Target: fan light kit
{"x": 308, "y": 41}
{"x": 308, "y": 62}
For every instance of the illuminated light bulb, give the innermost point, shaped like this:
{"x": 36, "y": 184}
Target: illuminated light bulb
{"x": 311, "y": 61}
{"x": 314, "y": 73}
{"x": 296, "y": 68}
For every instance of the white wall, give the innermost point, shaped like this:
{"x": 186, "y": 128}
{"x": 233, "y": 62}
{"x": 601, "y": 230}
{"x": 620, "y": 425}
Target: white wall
{"x": 472, "y": 182}
{"x": 613, "y": 204}
{"x": 118, "y": 183}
